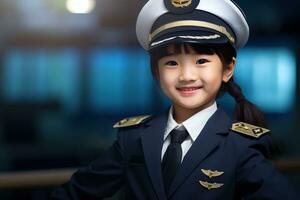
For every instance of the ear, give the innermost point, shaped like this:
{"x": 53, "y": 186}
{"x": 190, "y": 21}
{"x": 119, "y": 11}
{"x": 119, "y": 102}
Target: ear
{"x": 229, "y": 70}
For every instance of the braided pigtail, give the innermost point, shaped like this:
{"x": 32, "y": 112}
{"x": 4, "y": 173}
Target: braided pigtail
{"x": 245, "y": 111}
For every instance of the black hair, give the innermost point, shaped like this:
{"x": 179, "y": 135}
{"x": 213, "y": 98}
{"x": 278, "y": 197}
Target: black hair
{"x": 245, "y": 111}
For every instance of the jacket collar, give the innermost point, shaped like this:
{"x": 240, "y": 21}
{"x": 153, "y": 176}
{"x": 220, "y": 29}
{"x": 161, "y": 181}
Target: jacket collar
{"x": 152, "y": 141}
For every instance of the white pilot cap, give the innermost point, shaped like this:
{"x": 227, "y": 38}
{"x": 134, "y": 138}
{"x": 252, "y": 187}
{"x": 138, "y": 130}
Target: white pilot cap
{"x": 162, "y": 22}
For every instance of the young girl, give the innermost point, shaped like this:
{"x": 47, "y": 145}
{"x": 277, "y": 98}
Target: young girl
{"x": 193, "y": 150}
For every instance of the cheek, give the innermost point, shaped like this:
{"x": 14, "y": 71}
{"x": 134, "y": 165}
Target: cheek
{"x": 213, "y": 75}
{"x": 213, "y": 78}
{"x": 167, "y": 80}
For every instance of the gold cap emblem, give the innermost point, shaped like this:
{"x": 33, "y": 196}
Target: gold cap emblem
{"x": 181, "y": 3}
{"x": 211, "y": 173}
{"x": 210, "y": 186}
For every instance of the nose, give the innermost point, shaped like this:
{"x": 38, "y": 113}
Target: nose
{"x": 187, "y": 74}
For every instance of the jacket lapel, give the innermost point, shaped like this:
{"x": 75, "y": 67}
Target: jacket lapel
{"x": 152, "y": 141}
{"x": 206, "y": 142}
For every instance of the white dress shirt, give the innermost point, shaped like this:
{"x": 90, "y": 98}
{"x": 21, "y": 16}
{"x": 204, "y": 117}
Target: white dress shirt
{"x": 193, "y": 125}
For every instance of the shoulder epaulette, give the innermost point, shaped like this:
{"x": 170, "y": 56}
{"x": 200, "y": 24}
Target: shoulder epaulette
{"x": 249, "y": 130}
{"x": 131, "y": 121}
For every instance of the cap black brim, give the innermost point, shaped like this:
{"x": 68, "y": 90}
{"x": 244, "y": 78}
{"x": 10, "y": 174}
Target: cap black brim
{"x": 194, "y": 37}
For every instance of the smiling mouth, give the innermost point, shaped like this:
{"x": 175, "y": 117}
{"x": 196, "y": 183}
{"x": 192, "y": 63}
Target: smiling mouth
{"x": 188, "y": 89}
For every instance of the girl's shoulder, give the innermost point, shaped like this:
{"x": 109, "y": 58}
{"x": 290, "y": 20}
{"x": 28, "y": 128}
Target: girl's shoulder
{"x": 132, "y": 121}
{"x": 249, "y": 130}
{"x": 254, "y": 137}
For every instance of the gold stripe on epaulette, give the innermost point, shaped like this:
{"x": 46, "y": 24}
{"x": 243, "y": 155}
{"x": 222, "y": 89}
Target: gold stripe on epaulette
{"x": 131, "y": 121}
{"x": 248, "y": 129}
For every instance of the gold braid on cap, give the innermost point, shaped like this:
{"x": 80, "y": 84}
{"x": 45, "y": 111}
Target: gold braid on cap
{"x": 196, "y": 23}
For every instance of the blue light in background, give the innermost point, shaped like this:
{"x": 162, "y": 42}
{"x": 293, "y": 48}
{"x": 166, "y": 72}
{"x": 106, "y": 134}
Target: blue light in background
{"x": 268, "y": 77}
{"x": 12, "y": 74}
{"x": 40, "y": 75}
{"x": 105, "y": 80}
{"x": 64, "y": 78}
{"x": 38, "y": 68}
{"x": 120, "y": 81}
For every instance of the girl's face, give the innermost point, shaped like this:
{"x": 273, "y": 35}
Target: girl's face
{"x": 192, "y": 80}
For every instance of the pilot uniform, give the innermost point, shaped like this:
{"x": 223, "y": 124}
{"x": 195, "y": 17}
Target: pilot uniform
{"x": 221, "y": 159}
{"x": 226, "y": 161}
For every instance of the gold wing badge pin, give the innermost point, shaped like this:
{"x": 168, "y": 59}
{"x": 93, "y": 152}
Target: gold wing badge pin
{"x": 211, "y": 173}
{"x": 210, "y": 186}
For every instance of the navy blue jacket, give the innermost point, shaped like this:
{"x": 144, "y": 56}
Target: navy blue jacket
{"x": 134, "y": 162}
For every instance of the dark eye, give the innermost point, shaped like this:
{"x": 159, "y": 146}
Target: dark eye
{"x": 201, "y": 61}
{"x": 171, "y": 63}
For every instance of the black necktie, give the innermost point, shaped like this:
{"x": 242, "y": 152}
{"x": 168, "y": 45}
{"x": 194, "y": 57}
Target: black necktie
{"x": 172, "y": 158}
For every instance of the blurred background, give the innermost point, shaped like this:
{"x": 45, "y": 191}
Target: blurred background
{"x": 70, "y": 69}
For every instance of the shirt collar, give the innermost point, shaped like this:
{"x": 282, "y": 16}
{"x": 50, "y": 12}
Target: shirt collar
{"x": 194, "y": 124}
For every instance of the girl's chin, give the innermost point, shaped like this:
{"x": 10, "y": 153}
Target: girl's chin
{"x": 192, "y": 105}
